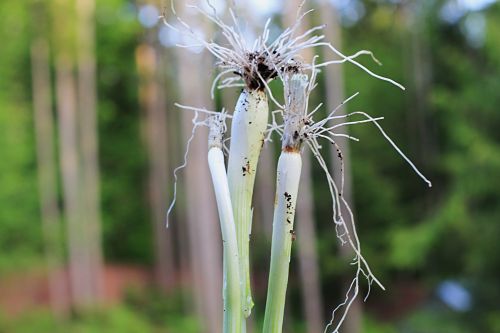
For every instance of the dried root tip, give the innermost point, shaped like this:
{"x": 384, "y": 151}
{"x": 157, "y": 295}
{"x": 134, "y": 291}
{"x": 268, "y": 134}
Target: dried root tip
{"x": 217, "y": 129}
{"x": 295, "y": 114}
{"x": 258, "y": 71}
{"x": 265, "y": 66}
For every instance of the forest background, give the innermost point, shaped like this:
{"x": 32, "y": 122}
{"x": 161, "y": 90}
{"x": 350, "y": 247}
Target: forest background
{"x": 89, "y": 138}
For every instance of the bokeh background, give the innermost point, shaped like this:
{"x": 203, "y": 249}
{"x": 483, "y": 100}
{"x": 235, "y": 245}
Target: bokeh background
{"x": 90, "y": 136}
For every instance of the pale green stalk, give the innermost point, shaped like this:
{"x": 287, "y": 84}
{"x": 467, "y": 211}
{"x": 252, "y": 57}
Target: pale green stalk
{"x": 287, "y": 186}
{"x": 247, "y": 138}
{"x": 233, "y": 315}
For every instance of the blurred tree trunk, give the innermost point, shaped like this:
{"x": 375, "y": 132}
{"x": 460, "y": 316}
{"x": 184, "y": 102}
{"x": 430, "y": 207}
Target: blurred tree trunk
{"x": 308, "y": 257}
{"x": 178, "y": 217}
{"x": 152, "y": 100}
{"x": 179, "y": 227}
{"x": 203, "y": 224}
{"x": 88, "y": 129}
{"x": 47, "y": 179}
{"x": 335, "y": 96}
{"x": 84, "y": 258}
{"x": 419, "y": 75}
{"x": 306, "y": 229}
{"x": 69, "y": 160}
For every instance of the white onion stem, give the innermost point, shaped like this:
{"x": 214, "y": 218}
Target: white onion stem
{"x": 248, "y": 127}
{"x": 233, "y": 315}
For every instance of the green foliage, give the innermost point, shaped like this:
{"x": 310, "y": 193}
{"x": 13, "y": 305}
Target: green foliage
{"x": 162, "y": 311}
{"x": 127, "y": 230}
{"x": 118, "y": 319}
{"x": 371, "y": 325}
{"x": 19, "y": 231}
{"x": 406, "y": 230}
{"x": 448, "y": 231}
{"x": 436, "y": 320}
{"x": 149, "y": 312}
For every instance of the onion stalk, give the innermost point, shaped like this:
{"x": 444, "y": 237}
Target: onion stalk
{"x": 247, "y": 137}
{"x": 287, "y": 186}
{"x": 252, "y": 66}
{"x": 232, "y": 322}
